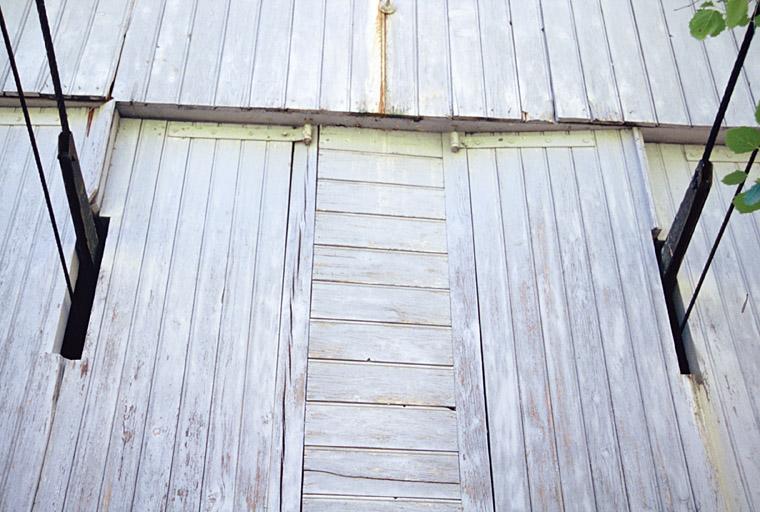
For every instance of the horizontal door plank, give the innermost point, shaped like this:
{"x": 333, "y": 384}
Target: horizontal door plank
{"x": 338, "y": 301}
{"x": 358, "y": 341}
{"x": 401, "y": 170}
{"x": 381, "y": 473}
{"x": 319, "y": 504}
{"x": 350, "y": 230}
{"x": 380, "y": 383}
{"x": 381, "y": 141}
{"x": 380, "y": 199}
{"x": 380, "y": 426}
{"x": 372, "y": 266}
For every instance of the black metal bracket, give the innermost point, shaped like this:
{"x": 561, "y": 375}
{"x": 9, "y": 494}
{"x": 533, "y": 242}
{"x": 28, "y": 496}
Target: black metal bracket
{"x": 673, "y": 249}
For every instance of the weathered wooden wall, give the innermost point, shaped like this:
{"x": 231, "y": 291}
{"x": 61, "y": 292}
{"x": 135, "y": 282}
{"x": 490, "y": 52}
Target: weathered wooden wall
{"x": 33, "y": 297}
{"x": 538, "y": 60}
{"x": 724, "y": 329}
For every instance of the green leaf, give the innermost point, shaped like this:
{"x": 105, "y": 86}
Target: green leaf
{"x": 748, "y": 201}
{"x": 757, "y": 113}
{"x": 734, "y": 178}
{"x": 743, "y": 140}
{"x": 706, "y": 22}
{"x": 736, "y": 13}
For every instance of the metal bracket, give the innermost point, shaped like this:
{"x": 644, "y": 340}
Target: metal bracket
{"x": 455, "y": 141}
{"x": 88, "y": 245}
{"x": 674, "y": 247}
{"x": 308, "y": 133}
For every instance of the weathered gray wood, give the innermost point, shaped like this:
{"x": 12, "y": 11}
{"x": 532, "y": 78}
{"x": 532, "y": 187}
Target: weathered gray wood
{"x": 499, "y": 60}
{"x": 598, "y": 74}
{"x": 380, "y": 141}
{"x": 106, "y": 362}
{"x": 257, "y": 484}
{"x": 357, "y": 341}
{"x": 592, "y": 374}
{"x": 321, "y": 504}
{"x": 202, "y": 345}
{"x": 668, "y": 457}
{"x": 307, "y": 45}
{"x": 169, "y": 55}
{"x": 570, "y": 95}
{"x": 270, "y": 64}
{"x": 238, "y": 52}
{"x": 380, "y": 304}
{"x": 335, "y": 79}
{"x": 467, "y": 79}
{"x": 474, "y": 458}
{"x": 224, "y": 431}
{"x": 380, "y": 383}
{"x": 375, "y": 232}
{"x": 376, "y": 168}
{"x": 559, "y": 345}
{"x": 370, "y": 266}
{"x": 372, "y": 426}
{"x": 505, "y": 414}
{"x": 294, "y": 332}
{"x": 539, "y": 429}
{"x": 380, "y": 199}
{"x": 433, "y": 84}
{"x": 401, "y": 60}
{"x": 365, "y": 87}
{"x": 381, "y": 473}
{"x": 123, "y": 450}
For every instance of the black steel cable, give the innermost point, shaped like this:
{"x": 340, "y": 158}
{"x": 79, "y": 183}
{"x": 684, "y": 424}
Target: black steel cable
{"x": 733, "y": 78}
{"x": 715, "y": 244}
{"x": 50, "y": 50}
{"x": 36, "y": 153}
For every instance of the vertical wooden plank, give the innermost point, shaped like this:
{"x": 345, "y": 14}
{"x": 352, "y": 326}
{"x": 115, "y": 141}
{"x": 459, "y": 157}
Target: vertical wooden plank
{"x": 401, "y": 60}
{"x": 258, "y": 473}
{"x": 335, "y": 79}
{"x": 691, "y": 62}
{"x": 204, "y": 53}
{"x": 474, "y": 459}
{"x": 366, "y": 63}
{"x": 568, "y": 84}
{"x": 625, "y": 389}
{"x": 538, "y": 426}
{"x": 433, "y": 67}
{"x": 566, "y": 407}
{"x": 200, "y": 364}
{"x": 305, "y": 60}
{"x": 502, "y": 386}
{"x": 667, "y": 450}
{"x": 502, "y": 92}
{"x": 467, "y": 75}
{"x": 57, "y": 466}
{"x": 224, "y": 431}
{"x": 16, "y": 15}
{"x": 169, "y": 61}
{"x": 536, "y": 95}
{"x": 236, "y": 67}
{"x": 101, "y": 397}
{"x": 36, "y": 415}
{"x": 628, "y": 62}
{"x": 591, "y": 367}
{"x": 270, "y": 67}
{"x": 138, "y": 51}
{"x": 153, "y": 474}
{"x": 597, "y": 64}
{"x": 294, "y": 331}
{"x": 664, "y": 80}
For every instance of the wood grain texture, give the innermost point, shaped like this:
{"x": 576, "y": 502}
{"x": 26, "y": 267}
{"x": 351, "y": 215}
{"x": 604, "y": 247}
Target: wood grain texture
{"x": 393, "y": 343}
{"x": 371, "y": 426}
{"x": 474, "y": 457}
{"x": 380, "y": 199}
{"x": 332, "y": 471}
{"x": 321, "y": 504}
{"x": 380, "y": 168}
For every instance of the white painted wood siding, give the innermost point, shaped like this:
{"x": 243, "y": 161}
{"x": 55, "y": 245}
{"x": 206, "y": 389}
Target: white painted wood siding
{"x": 529, "y": 60}
{"x": 724, "y": 327}
{"x": 581, "y": 379}
{"x": 88, "y": 36}
{"x": 395, "y": 405}
{"x": 178, "y": 399}
{"x": 33, "y": 298}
